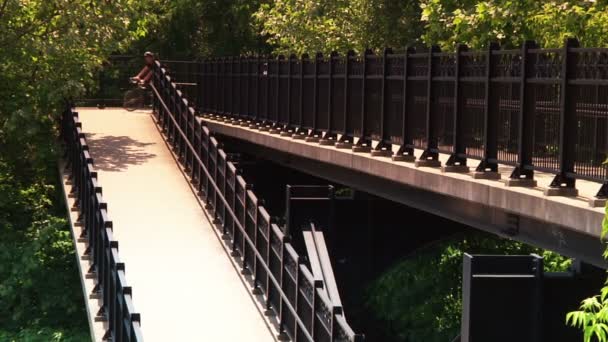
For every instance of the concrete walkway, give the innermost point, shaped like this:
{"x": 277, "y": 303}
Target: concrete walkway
{"x": 184, "y": 284}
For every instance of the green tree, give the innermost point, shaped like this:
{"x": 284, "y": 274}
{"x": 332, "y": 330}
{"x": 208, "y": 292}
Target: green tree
{"x": 48, "y": 52}
{"x": 592, "y": 317}
{"x": 188, "y": 29}
{"x": 476, "y": 23}
{"x": 309, "y": 26}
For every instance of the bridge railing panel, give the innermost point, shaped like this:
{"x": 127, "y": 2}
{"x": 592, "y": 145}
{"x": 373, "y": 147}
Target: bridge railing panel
{"x": 230, "y": 194}
{"x": 220, "y": 180}
{"x": 262, "y": 243}
{"x": 535, "y": 109}
{"x": 588, "y": 84}
{"x": 106, "y": 268}
{"x": 240, "y": 210}
{"x": 251, "y": 218}
{"x": 263, "y": 246}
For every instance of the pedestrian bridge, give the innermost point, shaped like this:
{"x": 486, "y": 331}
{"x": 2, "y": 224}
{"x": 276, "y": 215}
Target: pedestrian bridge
{"x": 178, "y": 234}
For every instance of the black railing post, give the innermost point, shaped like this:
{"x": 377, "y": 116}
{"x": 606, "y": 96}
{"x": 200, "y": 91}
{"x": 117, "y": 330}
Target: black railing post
{"x": 202, "y": 86}
{"x": 564, "y": 182}
{"x": 276, "y": 127}
{"x": 256, "y": 77}
{"x": 287, "y": 129}
{"x": 313, "y": 135}
{"x": 406, "y": 150}
{"x": 236, "y": 92}
{"x": 328, "y": 137}
{"x": 458, "y": 159}
{"x": 222, "y": 78}
{"x": 216, "y": 83}
{"x": 430, "y": 156}
{"x": 243, "y": 90}
{"x": 488, "y": 167}
{"x": 229, "y": 102}
{"x": 363, "y": 144}
{"x": 384, "y": 147}
{"x": 299, "y": 131}
{"x": 265, "y": 122}
{"x": 346, "y": 141}
{"x": 523, "y": 174}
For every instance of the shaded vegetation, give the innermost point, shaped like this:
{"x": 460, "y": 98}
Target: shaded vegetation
{"x": 420, "y": 298}
{"x": 48, "y": 52}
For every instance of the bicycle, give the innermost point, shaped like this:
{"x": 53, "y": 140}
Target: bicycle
{"x": 136, "y": 98}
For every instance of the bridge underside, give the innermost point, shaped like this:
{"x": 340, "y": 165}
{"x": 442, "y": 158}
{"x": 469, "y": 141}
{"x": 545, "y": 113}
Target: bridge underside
{"x": 184, "y": 282}
{"x": 564, "y": 225}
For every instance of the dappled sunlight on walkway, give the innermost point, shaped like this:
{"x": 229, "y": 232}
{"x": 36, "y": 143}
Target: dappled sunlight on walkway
{"x": 117, "y": 153}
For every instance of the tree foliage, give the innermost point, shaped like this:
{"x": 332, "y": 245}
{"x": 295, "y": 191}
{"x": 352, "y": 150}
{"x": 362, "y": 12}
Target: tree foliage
{"x": 298, "y": 26}
{"x": 187, "y": 29}
{"x": 48, "y": 52}
{"x": 592, "y": 317}
{"x": 476, "y": 23}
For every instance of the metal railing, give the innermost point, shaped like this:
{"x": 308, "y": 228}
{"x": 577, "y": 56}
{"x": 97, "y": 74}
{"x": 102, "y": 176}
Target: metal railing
{"x": 535, "y": 109}
{"x": 109, "y": 272}
{"x": 303, "y": 311}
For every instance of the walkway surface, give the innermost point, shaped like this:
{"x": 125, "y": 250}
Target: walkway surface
{"x": 184, "y": 284}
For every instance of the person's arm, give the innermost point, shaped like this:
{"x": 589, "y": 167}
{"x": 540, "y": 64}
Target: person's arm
{"x": 143, "y": 73}
{"x": 147, "y": 77}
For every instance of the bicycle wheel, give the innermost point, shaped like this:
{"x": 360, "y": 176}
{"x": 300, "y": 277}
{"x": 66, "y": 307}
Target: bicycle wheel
{"x": 134, "y": 99}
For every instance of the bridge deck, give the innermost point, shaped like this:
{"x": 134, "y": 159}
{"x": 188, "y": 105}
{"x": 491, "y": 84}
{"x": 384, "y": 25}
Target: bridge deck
{"x": 184, "y": 284}
{"x": 574, "y": 213}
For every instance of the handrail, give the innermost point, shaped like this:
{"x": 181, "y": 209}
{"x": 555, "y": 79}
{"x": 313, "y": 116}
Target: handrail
{"x": 208, "y": 165}
{"x": 109, "y": 272}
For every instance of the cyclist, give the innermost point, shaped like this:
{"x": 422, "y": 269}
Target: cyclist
{"x": 145, "y": 75}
